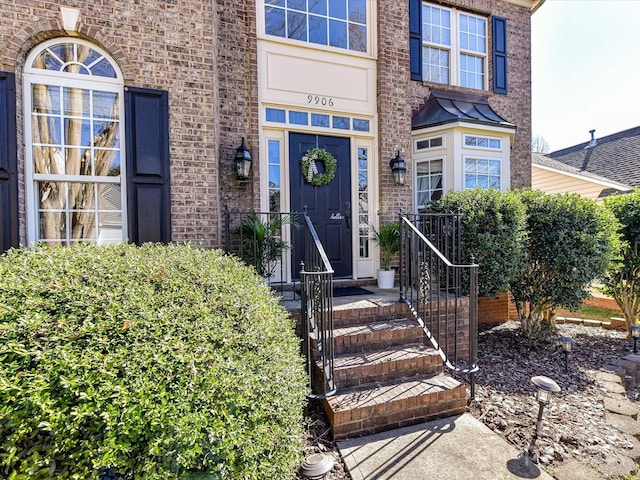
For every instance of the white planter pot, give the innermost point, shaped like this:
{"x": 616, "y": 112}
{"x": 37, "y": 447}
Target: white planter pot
{"x": 386, "y": 278}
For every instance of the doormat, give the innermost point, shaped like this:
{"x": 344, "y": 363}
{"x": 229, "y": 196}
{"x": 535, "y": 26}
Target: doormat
{"x": 346, "y": 291}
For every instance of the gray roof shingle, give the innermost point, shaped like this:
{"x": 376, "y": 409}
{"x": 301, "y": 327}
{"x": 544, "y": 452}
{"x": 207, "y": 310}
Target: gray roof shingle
{"x": 616, "y": 157}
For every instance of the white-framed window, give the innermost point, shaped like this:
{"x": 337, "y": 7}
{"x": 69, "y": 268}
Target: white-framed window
{"x": 335, "y": 23}
{"x": 430, "y": 143}
{"x": 478, "y": 141}
{"x": 74, "y": 138}
{"x": 454, "y": 47}
{"x": 428, "y": 181}
{"x": 274, "y": 161}
{"x": 482, "y": 173}
{"x": 364, "y": 220}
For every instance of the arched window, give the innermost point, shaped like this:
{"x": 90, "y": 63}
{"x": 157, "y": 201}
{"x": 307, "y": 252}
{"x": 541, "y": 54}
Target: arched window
{"x": 74, "y": 134}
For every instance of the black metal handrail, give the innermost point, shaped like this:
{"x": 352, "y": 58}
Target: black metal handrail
{"x": 316, "y": 307}
{"x": 259, "y": 239}
{"x": 440, "y": 292}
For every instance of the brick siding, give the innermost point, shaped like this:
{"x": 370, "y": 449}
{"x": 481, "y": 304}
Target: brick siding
{"x": 398, "y": 95}
{"x": 498, "y": 309}
{"x": 204, "y": 53}
{"x": 160, "y": 44}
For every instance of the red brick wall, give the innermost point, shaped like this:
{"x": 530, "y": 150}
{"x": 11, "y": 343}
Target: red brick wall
{"x": 394, "y": 107}
{"x": 237, "y": 71}
{"x": 496, "y": 310}
{"x": 158, "y": 44}
{"x": 603, "y": 302}
{"x": 398, "y": 95}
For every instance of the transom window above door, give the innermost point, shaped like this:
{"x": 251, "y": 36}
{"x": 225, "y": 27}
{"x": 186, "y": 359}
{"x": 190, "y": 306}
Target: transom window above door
{"x": 335, "y": 23}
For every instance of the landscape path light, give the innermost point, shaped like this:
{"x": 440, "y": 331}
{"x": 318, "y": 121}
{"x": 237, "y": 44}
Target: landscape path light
{"x": 635, "y": 333}
{"x": 546, "y": 387}
{"x": 566, "y": 343}
{"x": 317, "y": 466}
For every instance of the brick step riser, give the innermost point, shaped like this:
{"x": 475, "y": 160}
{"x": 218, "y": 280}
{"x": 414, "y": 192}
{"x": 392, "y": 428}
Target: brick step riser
{"x": 350, "y": 320}
{"x": 391, "y": 415}
{"x": 360, "y": 316}
{"x": 377, "y": 340}
{"x": 387, "y": 371}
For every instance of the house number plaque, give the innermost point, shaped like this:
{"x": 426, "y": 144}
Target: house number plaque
{"x": 317, "y": 100}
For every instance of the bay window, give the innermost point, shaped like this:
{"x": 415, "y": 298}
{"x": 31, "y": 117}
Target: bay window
{"x": 428, "y": 182}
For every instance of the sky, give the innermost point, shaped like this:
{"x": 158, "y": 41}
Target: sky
{"x": 585, "y": 69}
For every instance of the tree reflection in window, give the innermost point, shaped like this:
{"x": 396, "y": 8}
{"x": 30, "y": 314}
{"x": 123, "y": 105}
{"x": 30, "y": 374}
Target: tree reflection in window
{"x": 76, "y": 145}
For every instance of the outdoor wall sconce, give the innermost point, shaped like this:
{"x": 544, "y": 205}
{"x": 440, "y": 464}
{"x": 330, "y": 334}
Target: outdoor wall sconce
{"x": 635, "y": 333}
{"x": 243, "y": 161}
{"x": 317, "y": 466}
{"x": 566, "y": 343}
{"x": 546, "y": 387}
{"x": 399, "y": 169}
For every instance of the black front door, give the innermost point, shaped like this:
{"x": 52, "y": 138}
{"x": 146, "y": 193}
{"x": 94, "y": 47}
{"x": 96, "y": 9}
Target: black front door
{"x": 328, "y": 206}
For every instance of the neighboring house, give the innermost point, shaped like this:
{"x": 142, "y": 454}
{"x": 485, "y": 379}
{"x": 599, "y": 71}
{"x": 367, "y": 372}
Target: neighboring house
{"x": 553, "y": 176}
{"x": 152, "y": 102}
{"x": 595, "y": 169}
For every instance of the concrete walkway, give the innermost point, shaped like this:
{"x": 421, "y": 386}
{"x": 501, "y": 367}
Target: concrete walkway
{"x": 454, "y": 448}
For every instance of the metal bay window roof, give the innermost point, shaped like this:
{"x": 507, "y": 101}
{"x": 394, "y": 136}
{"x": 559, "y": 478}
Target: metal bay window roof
{"x": 442, "y": 107}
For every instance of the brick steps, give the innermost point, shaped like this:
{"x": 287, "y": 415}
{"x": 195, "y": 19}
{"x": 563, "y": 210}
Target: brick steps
{"x": 376, "y": 407}
{"x": 385, "y": 374}
{"x": 386, "y": 364}
{"x": 358, "y": 338}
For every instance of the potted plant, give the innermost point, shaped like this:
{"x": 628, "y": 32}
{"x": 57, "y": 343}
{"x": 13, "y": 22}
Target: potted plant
{"x": 262, "y": 244}
{"x": 388, "y": 238}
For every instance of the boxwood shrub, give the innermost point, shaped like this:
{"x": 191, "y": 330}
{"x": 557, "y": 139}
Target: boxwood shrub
{"x": 145, "y": 362}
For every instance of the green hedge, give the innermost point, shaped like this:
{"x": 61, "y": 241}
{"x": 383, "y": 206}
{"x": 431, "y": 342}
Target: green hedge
{"x": 156, "y": 361}
{"x": 493, "y": 232}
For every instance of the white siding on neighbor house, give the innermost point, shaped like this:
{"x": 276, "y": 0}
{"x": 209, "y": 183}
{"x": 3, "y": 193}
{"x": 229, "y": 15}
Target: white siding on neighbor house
{"x": 555, "y": 182}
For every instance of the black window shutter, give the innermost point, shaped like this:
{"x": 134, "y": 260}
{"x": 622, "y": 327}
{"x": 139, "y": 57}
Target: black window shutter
{"x": 147, "y": 151}
{"x": 415, "y": 39}
{"x": 8, "y": 163}
{"x": 500, "y": 55}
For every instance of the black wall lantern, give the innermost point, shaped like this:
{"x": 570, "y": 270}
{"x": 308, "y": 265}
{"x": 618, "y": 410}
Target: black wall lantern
{"x": 399, "y": 169}
{"x": 243, "y": 161}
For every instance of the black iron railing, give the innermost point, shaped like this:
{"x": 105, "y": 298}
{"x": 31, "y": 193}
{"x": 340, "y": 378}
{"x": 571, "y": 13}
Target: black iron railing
{"x": 441, "y": 293}
{"x": 316, "y": 313}
{"x": 259, "y": 239}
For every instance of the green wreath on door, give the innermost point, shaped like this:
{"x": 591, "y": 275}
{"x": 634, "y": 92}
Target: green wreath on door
{"x": 309, "y": 168}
